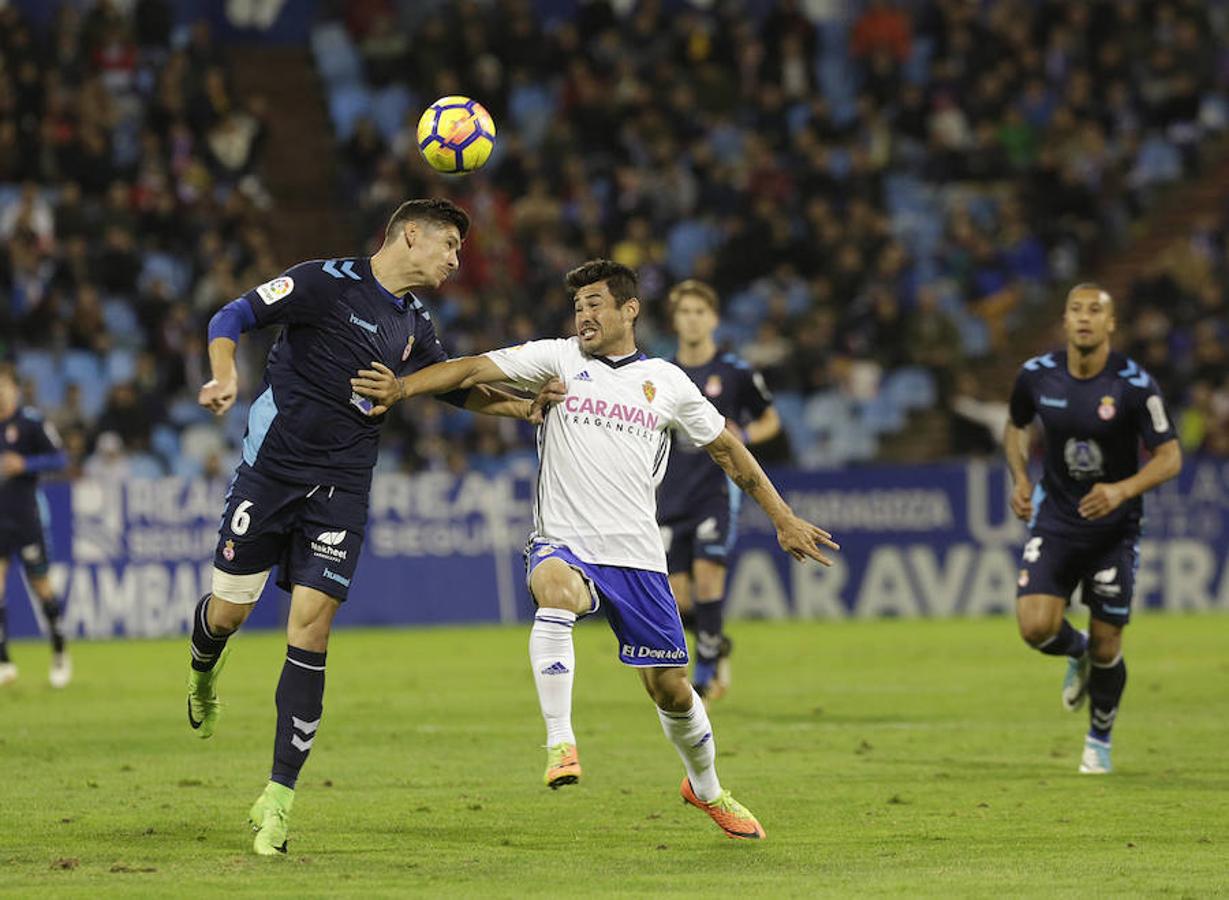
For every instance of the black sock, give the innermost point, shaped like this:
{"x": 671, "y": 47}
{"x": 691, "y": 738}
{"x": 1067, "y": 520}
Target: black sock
{"x": 710, "y": 618}
{"x": 1068, "y": 642}
{"x": 4, "y": 633}
{"x": 51, "y": 612}
{"x": 688, "y": 616}
{"x": 1105, "y": 686}
{"x": 206, "y": 646}
{"x": 300, "y": 700}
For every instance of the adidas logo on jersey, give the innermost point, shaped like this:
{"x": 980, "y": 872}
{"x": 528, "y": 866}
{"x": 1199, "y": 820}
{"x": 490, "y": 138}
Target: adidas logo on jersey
{"x": 584, "y": 376}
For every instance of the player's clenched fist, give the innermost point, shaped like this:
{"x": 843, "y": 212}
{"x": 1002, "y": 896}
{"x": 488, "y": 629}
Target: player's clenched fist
{"x": 1022, "y": 500}
{"x": 802, "y": 540}
{"x": 218, "y": 396}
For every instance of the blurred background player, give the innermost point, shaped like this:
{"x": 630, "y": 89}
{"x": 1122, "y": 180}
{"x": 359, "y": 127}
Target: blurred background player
{"x": 1095, "y": 406}
{"x": 299, "y": 497}
{"x": 697, "y": 504}
{"x": 29, "y": 446}
{"x": 595, "y": 538}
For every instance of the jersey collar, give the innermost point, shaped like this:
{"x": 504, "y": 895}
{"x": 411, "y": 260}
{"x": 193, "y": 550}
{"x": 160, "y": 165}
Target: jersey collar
{"x": 627, "y": 360}
{"x": 399, "y": 302}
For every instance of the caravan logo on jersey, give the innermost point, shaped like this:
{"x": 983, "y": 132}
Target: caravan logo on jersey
{"x": 325, "y": 545}
{"x": 614, "y": 416}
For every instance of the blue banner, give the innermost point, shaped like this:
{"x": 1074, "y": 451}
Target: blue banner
{"x": 132, "y": 558}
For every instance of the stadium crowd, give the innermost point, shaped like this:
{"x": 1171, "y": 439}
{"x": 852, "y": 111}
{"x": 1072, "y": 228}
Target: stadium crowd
{"x": 899, "y": 192}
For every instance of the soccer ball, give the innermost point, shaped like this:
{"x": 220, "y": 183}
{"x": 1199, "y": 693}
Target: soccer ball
{"x": 456, "y": 134}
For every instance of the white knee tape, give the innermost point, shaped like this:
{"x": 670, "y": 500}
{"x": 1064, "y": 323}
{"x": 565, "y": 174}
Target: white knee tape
{"x": 239, "y": 588}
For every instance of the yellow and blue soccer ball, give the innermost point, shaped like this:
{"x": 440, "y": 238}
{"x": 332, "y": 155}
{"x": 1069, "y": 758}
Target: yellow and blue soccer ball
{"x": 456, "y": 134}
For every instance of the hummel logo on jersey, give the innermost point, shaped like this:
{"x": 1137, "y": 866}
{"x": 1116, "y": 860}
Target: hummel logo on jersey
{"x": 332, "y": 538}
{"x": 363, "y": 324}
{"x": 556, "y": 668}
{"x": 1056, "y": 402}
{"x": 584, "y": 376}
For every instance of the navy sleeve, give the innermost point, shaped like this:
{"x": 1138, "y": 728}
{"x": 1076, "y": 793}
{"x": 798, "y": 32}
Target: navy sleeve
{"x": 1022, "y": 407}
{"x": 1150, "y": 415}
{"x": 756, "y": 398}
{"x": 299, "y": 295}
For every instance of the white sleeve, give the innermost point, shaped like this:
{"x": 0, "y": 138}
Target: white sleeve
{"x": 530, "y": 364}
{"x": 694, "y": 416}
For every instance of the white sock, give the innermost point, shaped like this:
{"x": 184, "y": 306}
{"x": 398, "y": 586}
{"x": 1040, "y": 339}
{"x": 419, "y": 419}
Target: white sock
{"x": 554, "y": 664}
{"x": 692, "y": 736}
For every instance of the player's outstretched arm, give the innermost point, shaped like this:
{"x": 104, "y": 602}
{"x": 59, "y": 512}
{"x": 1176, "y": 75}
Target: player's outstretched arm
{"x": 798, "y": 537}
{"x": 494, "y": 402}
{"x": 218, "y": 394}
{"x": 383, "y": 386}
{"x": 1105, "y": 497}
{"x": 1016, "y": 442}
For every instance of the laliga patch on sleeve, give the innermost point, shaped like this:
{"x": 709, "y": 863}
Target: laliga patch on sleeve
{"x": 1160, "y": 421}
{"x": 272, "y": 291}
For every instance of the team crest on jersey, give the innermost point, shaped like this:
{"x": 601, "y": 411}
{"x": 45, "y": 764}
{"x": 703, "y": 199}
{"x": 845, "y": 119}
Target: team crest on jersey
{"x": 1023, "y": 579}
{"x": 409, "y": 345}
{"x": 712, "y": 387}
{"x": 272, "y": 291}
{"x": 650, "y": 390}
{"x": 10, "y": 433}
{"x": 1107, "y": 409}
{"x": 228, "y": 551}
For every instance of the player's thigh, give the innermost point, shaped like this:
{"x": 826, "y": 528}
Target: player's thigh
{"x": 311, "y": 618}
{"x": 680, "y": 586}
{"x": 1108, "y": 580}
{"x": 1039, "y": 616}
{"x": 709, "y": 580}
{"x": 668, "y": 686}
{"x": 554, "y": 583}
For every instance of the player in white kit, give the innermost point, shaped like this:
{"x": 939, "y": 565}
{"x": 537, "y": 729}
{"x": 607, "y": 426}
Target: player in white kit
{"x": 602, "y": 452}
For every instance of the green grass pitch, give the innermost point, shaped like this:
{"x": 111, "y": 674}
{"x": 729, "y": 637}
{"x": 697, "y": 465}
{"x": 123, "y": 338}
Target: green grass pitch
{"x": 889, "y": 757}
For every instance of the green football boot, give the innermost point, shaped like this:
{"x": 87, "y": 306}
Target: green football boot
{"x": 204, "y": 707}
{"x": 268, "y": 819}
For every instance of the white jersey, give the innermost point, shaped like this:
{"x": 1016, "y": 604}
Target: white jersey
{"x": 603, "y": 450}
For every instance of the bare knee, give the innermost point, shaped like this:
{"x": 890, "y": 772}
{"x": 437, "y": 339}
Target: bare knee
{"x": 1039, "y": 618}
{"x": 225, "y": 617}
{"x": 556, "y": 585}
{"x": 669, "y": 688}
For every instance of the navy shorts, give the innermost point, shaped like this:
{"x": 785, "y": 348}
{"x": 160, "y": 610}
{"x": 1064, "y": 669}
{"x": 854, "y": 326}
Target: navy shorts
{"x": 639, "y": 606}
{"x": 27, "y": 536}
{"x": 1103, "y": 565}
{"x": 708, "y": 532}
{"x": 312, "y": 533}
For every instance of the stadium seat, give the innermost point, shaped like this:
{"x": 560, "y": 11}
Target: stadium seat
{"x": 389, "y": 107}
{"x": 347, "y": 104}
{"x": 336, "y": 58}
{"x": 145, "y": 465}
{"x": 909, "y": 388}
{"x": 120, "y": 365}
{"x": 40, "y": 367}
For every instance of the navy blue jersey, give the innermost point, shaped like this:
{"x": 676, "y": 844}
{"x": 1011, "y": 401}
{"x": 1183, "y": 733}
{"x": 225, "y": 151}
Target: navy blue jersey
{"x": 739, "y": 393}
{"x": 28, "y": 435}
{"x": 307, "y": 426}
{"x": 1093, "y": 428}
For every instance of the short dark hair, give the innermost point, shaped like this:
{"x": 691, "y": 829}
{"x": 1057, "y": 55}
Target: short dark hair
{"x": 620, "y": 280}
{"x": 435, "y": 210}
{"x": 1090, "y": 286}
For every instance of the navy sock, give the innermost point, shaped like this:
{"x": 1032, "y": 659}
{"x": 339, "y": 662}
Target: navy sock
{"x": 4, "y": 633}
{"x": 51, "y": 612}
{"x": 1068, "y": 642}
{"x": 300, "y": 700}
{"x": 710, "y": 618}
{"x": 1105, "y": 687}
{"x": 206, "y": 646}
